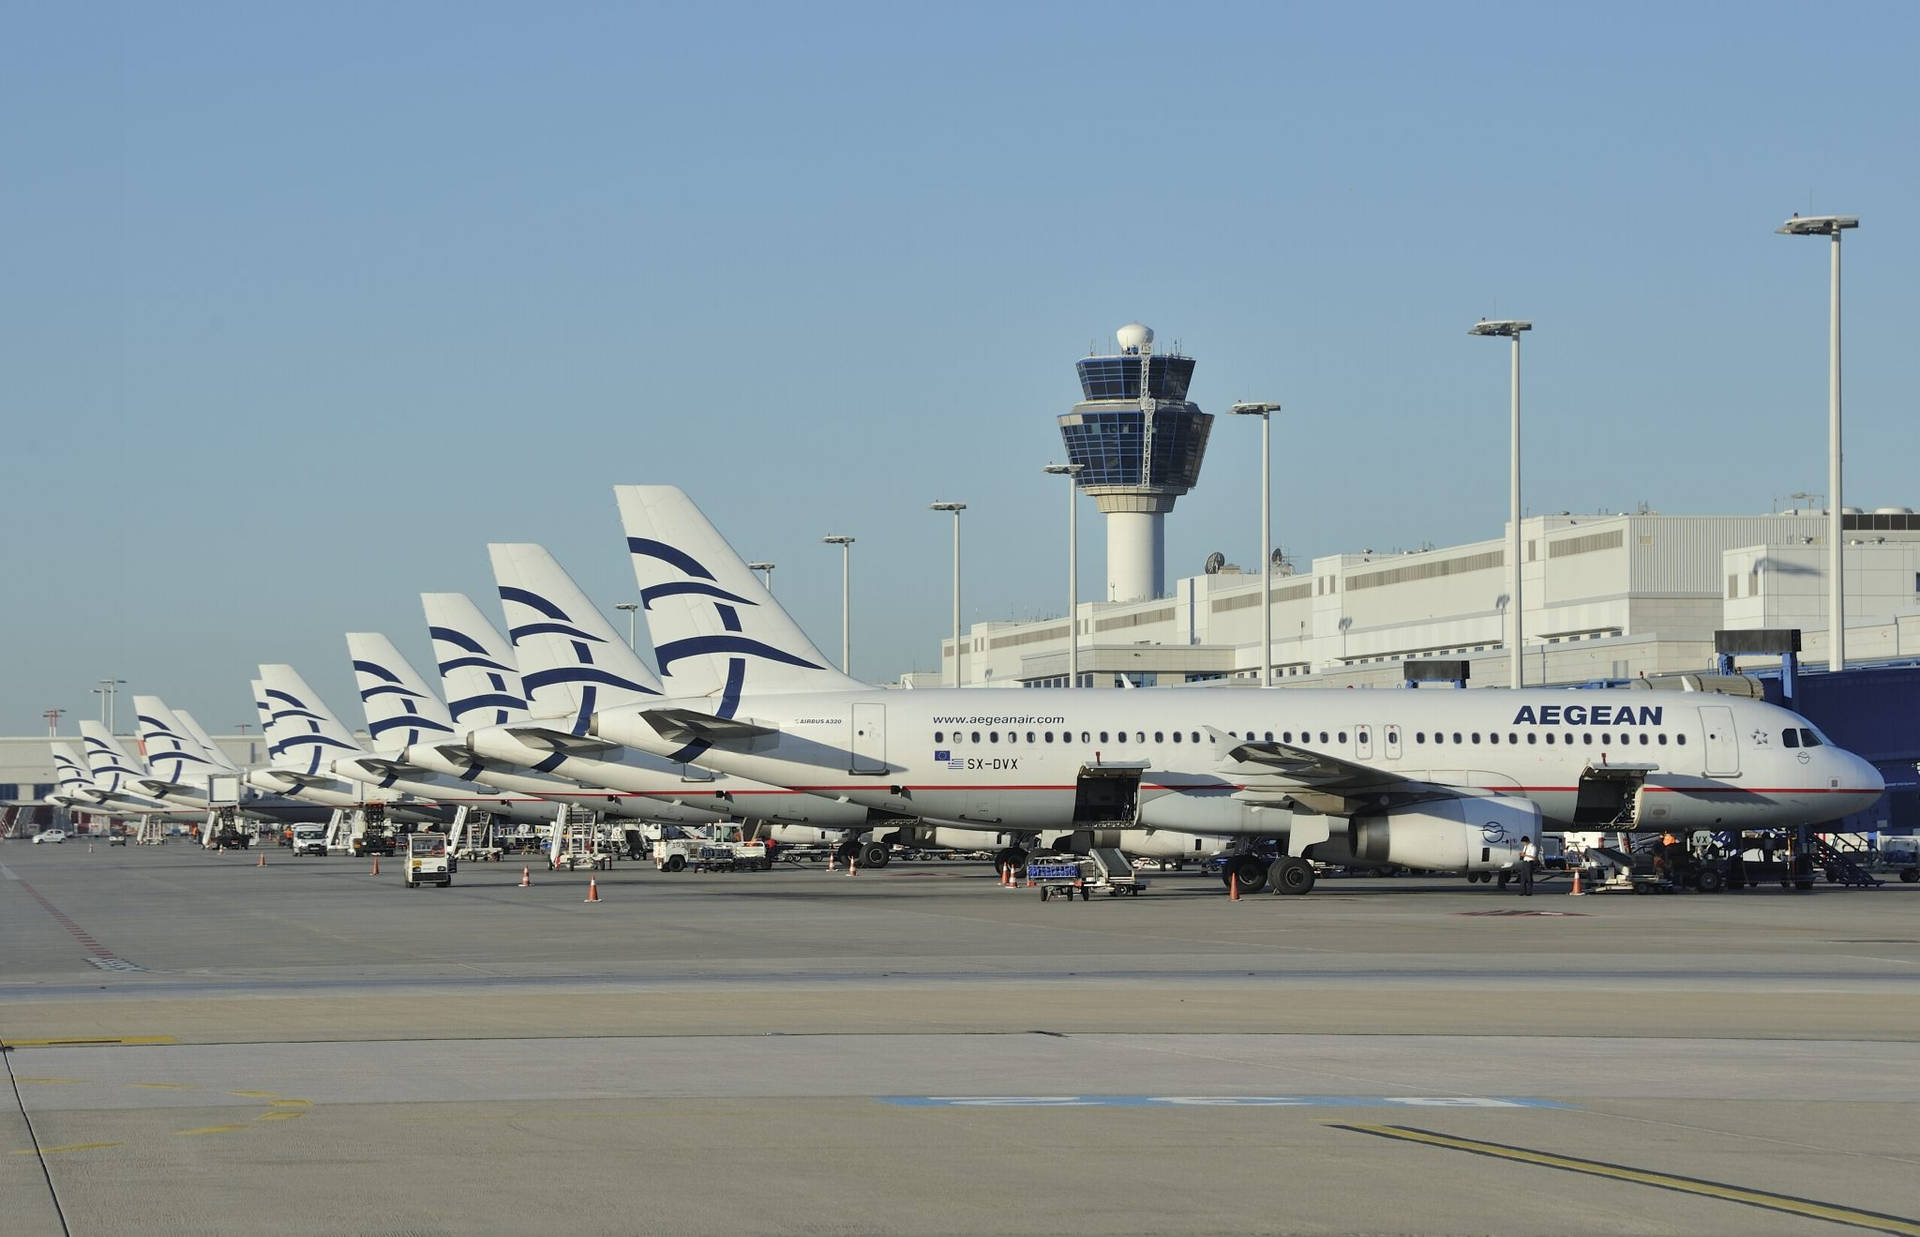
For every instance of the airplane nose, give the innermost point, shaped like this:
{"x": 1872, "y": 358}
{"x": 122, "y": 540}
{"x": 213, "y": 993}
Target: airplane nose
{"x": 1870, "y": 781}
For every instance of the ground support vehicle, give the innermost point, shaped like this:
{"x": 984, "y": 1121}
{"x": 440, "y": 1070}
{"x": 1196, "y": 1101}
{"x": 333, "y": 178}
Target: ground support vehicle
{"x": 309, "y": 840}
{"x": 1059, "y": 876}
{"x": 428, "y": 862}
{"x": 702, "y": 855}
{"x": 1113, "y": 872}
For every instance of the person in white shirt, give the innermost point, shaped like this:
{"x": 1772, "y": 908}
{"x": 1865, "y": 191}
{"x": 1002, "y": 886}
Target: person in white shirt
{"x": 1528, "y": 854}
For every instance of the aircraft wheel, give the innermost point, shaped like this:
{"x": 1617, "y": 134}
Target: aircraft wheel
{"x": 875, "y": 855}
{"x": 1012, "y": 857}
{"x": 1292, "y": 874}
{"x": 1249, "y": 869}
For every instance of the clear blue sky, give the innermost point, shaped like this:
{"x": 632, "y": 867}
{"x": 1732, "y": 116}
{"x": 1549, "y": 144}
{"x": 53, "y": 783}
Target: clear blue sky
{"x": 300, "y": 306}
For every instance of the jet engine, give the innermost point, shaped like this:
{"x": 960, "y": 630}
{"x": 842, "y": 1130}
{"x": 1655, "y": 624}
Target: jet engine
{"x": 1448, "y": 835}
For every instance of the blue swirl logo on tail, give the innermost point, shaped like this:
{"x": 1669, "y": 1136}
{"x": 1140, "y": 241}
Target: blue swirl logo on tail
{"x": 583, "y": 672}
{"x": 410, "y": 718}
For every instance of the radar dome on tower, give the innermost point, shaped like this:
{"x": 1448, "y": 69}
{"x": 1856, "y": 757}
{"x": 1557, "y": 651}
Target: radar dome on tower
{"x": 1134, "y": 338}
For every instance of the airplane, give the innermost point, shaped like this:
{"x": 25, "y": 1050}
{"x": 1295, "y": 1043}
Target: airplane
{"x": 182, "y": 771}
{"x": 72, "y": 782}
{"x": 1443, "y": 781}
{"x": 301, "y": 779}
{"x": 318, "y": 743}
{"x": 567, "y": 653}
{"x": 413, "y": 733}
{"x": 120, "y": 780}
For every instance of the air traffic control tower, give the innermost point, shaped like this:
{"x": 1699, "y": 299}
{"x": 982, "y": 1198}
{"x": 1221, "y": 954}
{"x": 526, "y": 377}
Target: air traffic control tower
{"x": 1138, "y": 441}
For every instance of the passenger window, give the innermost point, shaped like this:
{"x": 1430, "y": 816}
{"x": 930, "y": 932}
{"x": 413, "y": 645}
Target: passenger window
{"x": 1176, "y": 736}
{"x": 1269, "y": 736}
{"x": 1030, "y": 737}
{"x": 936, "y": 736}
{"x": 1103, "y": 736}
{"x": 1323, "y": 736}
{"x": 1086, "y": 736}
{"x": 1139, "y": 736}
{"x": 1049, "y": 735}
{"x": 1606, "y": 740}
{"x": 1456, "y": 736}
{"x": 976, "y": 736}
{"x": 1663, "y": 740}
{"x": 1476, "y": 736}
{"x": 993, "y": 736}
{"x": 1680, "y": 739}
{"x": 1549, "y": 738}
{"x": 1343, "y": 736}
{"x": 1196, "y": 736}
{"x": 1586, "y": 737}
{"x": 1532, "y": 738}
{"x": 1513, "y": 738}
{"x": 1160, "y": 736}
{"x": 1286, "y": 736}
{"x": 1419, "y": 736}
{"x": 1810, "y": 738}
{"x": 1438, "y": 737}
{"x": 1643, "y": 739}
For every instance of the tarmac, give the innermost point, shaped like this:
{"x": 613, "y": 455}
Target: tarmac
{"x": 198, "y": 1044}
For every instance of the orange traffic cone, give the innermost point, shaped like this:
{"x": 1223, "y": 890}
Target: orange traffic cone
{"x": 831, "y": 856}
{"x": 263, "y": 860}
{"x": 1576, "y": 891}
{"x": 526, "y": 877}
{"x": 1233, "y": 886}
{"x": 593, "y": 889}
{"x": 376, "y": 865}
{"x": 853, "y": 865}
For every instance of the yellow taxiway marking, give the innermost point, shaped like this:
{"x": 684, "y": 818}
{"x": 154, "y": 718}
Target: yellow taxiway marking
{"x": 282, "y": 1114}
{"x": 67, "y": 1147}
{"x": 212, "y": 1129}
{"x": 255, "y": 1095}
{"x": 49, "y": 1082}
{"x": 290, "y": 1103}
{"x": 89, "y": 1042}
{"x": 1767, "y": 1200}
{"x": 163, "y": 1086}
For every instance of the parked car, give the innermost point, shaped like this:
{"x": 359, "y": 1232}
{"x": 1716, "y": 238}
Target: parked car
{"x": 118, "y": 838}
{"x": 50, "y": 835}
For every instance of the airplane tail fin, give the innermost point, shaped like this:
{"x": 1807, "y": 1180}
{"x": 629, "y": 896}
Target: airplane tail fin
{"x": 303, "y": 733}
{"x": 572, "y": 663}
{"x": 715, "y": 628}
{"x": 173, "y": 753}
{"x": 207, "y": 745}
{"x": 401, "y": 709}
{"x": 477, "y": 668}
{"x": 112, "y": 768}
{"x": 70, "y": 772}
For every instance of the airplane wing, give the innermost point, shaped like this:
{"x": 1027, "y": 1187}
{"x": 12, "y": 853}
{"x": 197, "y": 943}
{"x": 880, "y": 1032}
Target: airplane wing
{"x": 393, "y": 768}
{"x": 688, "y": 725}
{"x": 1274, "y": 773}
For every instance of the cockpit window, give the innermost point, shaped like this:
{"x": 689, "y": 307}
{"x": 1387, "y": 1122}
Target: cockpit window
{"x": 1790, "y": 737}
{"x": 1810, "y": 738}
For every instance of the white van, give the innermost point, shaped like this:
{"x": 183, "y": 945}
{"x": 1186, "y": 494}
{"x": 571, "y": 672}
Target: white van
{"x": 428, "y": 862}
{"x": 310, "y": 840}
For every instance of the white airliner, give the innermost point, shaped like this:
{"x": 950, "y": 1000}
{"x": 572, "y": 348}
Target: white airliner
{"x": 119, "y": 778}
{"x": 571, "y": 662}
{"x": 296, "y": 775}
{"x": 328, "y": 747}
{"x": 413, "y": 735}
{"x": 1439, "y": 780}
{"x": 181, "y": 769}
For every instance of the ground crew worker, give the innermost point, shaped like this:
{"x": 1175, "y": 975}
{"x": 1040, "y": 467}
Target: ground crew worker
{"x": 1528, "y": 853}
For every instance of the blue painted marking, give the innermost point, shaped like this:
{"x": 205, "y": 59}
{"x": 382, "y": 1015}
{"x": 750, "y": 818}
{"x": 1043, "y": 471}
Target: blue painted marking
{"x": 582, "y": 674}
{"x": 1220, "y": 1101}
{"x": 533, "y": 601}
{"x": 519, "y": 634}
{"x": 646, "y": 547}
{"x": 484, "y": 663}
{"x": 682, "y": 588}
{"x": 377, "y": 670}
{"x": 694, "y": 646}
{"x": 458, "y": 639}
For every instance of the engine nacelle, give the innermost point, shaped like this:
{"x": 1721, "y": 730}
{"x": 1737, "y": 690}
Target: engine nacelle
{"x": 1448, "y": 835}
{"x": 1212, "y": 812}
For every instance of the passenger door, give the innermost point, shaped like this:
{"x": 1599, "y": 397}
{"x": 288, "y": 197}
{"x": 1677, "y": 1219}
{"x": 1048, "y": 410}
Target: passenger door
{"x": 1722, "y": 746}
{"x": 869, "y": 747}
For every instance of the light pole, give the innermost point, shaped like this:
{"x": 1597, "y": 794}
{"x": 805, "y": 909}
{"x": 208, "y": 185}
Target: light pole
{"x": 1265, "y": 413}
{"x": 1070, "y": 471}
{"x": 1511, "y": 330}
{"x": 631, "y": 607}
{"x": 766, "y": 570}
{"x": 956, "y": 508}
{"x": 106, "y": 692}
{"x": 53, "y": 721}
{"x": 1833, "y": 226}
{"x": 846, "y": 598}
